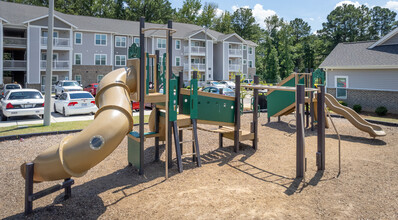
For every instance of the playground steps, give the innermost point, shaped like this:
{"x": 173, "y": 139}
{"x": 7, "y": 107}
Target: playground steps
{"x": 228, "y": 132}
{"x": 151, "y": 97}
{"x": 183, "y": 120}
{"x": 136, "y": 136}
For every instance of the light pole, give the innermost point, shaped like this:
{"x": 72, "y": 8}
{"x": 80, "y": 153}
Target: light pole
{"x": 47, "y": 101}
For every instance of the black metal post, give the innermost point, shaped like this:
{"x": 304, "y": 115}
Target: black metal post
{"x": 312, "y": 107}
{"x": 177, "y": 144}
{"x": 170, "y": 66}
{"x": 320, "y": 155}
{"x": 237, "y": 113}
{"x": 157, "y": 148}
{"x": 28, "y": 187}
{"x": 300, "y": 152}
{"x": 220, "y": 136}
{"x": 255, "y": 113}
{"x": 142, "y": 94}
{"x": 194, "y": 76}
{"x": 68, "y": 189}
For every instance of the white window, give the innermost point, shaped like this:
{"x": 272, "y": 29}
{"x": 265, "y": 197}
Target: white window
{"x": 78, "y": 78}
{"x": 250, "y": 50}
{"x": 341, "y": 83}
{"x": 99, "y": 59}
{"x": 44, "y": 56}
{"x": 120, "y": 60}
{"x": 250, "y": 64}
{"x": 244, "y": 62}
{"x": 178, "y": 61}
{"x": 161, "y": 43}
{"x": 178, "y": 44}
{"x": 244, "y": 47}
{"x": 45, "y": 34}
{"x": 100, "y": 39}
{"x": 78, "y": 38}
{"x": 78, "y": 59}
{"x": 137, "y": 41}
{"x": 120, "y": 41}
{"x": 99, "y": 77}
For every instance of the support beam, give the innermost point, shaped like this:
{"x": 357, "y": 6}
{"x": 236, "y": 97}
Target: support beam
{"x": 220, "y": 136}
{"x": 320, "y": 155}
{"x": 237, "y": 113}
{"x": 170, "y": 74}
{"x": 255, "y": 113}
{"x": 300, "y": 144}
{"x": 142, "y": 94}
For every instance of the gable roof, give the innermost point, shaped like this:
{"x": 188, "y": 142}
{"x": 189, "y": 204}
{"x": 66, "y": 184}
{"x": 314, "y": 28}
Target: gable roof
{"x": 46, "y": 16}
{"x": 385, "y": 38}
{"x": 18, "y": 14}
{"x": 358, "y": 55}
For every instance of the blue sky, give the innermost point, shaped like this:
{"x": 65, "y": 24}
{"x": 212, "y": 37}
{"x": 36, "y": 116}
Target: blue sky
{"x": 312, "y": 11}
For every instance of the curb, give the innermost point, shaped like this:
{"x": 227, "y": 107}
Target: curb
{"x": 18, "y": 136}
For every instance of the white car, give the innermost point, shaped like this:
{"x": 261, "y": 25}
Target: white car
{"x": 66, "y": 86}
{"x": 73, "y": 103}
{"x": 8, "y": 87}
{"x": 22, "y": 102}
{"x": 228, "y": 84}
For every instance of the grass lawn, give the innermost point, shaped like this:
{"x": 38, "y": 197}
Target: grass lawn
{"x": 60, "y": 126}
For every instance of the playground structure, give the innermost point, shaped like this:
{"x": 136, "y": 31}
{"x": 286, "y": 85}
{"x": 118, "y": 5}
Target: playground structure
{"x": 281, "y": 103}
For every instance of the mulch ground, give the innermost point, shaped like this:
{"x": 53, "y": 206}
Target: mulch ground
{"x": 248, "y": 184}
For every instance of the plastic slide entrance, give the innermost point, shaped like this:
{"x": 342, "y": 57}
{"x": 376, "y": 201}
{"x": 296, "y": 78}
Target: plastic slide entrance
{"x": 353, "y": 117}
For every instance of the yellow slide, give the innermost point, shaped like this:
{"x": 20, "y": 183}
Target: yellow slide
{"x": 75, "y": 155}
{"x": 353, "y": 117}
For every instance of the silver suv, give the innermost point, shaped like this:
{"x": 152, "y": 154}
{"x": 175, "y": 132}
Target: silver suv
{"x": 66, "y": 86}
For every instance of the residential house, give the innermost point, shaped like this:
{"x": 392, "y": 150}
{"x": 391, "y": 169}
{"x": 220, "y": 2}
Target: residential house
{"x": 86, "y": 48}
{"x": 365, "y": 73}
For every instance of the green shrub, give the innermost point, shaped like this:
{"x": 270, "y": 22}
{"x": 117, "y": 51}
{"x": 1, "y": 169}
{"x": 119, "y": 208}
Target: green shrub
{"x": 357, "y": 108}
{"x": 343, "y": 103}
{"x": 188, "y": 87}
{"x": 381, "y": 111}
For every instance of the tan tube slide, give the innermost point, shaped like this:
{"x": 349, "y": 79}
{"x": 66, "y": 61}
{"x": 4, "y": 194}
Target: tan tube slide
{"x": 353, "y": 117}
{"x": 75, "y": 155}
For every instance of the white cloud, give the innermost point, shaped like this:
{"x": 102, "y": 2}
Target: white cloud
{"x": 311, "y": 19}
{"x": 219, "y": 12}
{"x": 236, "y": 7}
{"x": 393, "y": 5}
{"x": 356, "y": 4}
{"x": 260, "y": 14}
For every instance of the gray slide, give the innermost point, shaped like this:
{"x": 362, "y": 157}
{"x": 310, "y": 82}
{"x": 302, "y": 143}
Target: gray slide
{"x": 353, "y": 117}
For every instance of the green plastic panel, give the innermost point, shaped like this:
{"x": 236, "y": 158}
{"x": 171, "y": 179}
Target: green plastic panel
{"x": 133, "y": 152}
{"x": 147, "y": 74}
{"x": 173, "y": 100}
{"x": 318, "y": 77}
{"x": 211, "y": 109}
{"x": 194, "y": 99}
{"x": 279, "y": 100}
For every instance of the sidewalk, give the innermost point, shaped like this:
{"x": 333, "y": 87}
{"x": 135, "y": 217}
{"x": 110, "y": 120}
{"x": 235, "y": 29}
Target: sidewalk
{"x": 55, "y": 117}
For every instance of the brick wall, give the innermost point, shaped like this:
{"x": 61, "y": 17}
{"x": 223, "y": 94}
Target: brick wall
{"x": 370, "y": 99}
{"x": 89, "y": 73}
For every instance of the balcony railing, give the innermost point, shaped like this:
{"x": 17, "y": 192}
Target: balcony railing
{"x": 14, "y": 64}
{"x": 235, "y": 67}
{"x": 195, "y": 66}
{"x": 235, "y": 52}
{"x": 57, "y": 42}
{"x": 14, "y": 42}
{"x": 57, "y": 65}
{"x": 195, "y": 50}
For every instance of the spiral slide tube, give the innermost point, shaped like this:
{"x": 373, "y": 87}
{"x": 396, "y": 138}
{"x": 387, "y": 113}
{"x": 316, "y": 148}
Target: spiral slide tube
{"x": 75, "y": 155}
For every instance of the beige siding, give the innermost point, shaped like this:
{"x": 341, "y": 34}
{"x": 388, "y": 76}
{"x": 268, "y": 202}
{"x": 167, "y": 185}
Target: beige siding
{"x": 366, "y": 79}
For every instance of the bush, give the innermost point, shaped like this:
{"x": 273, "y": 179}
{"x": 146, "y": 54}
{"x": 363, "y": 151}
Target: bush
{"x": 343, "y": 103}
{"x": 357, "y": 108}
{"x": 381, "y": 111}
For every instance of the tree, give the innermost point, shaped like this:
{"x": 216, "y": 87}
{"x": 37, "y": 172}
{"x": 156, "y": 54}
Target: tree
{"x": 155, "y": 11}
{"x": 244, "y": 24}
{"x": 285, "y": 52}
{"x": 223, "y": 24}
{"x": 208, "y": 15}
{"x": 382, "y": 21}
{"x": 300, "y": 29}
{"x": 189, "y": 12}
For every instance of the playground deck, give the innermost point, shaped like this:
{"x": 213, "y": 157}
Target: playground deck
{"x": 248, "y": 184}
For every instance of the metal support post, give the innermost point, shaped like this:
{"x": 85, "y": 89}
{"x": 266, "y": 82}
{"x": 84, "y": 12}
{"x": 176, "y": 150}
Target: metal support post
{"x": 220, "y": 136}
{"x": 255, "y": 113}
{"x": 170, "y": 66}
{"x": 320, "y": 155}
{"x": 300, "y": 144}
{"x": 142, "y": 94}
{"x": 237, "y": 113}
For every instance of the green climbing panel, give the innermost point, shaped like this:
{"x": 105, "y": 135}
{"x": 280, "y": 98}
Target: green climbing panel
{"x": 279, "y": 100}
{"x": 318, "y": 77}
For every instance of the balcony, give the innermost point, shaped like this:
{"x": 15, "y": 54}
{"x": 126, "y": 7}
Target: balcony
{"x": 14, "y": 42}
{"x": 57, "y": 65}
{"x": 195, "y": 66}
{"x": 195, "y": 50}
{"x": 235, "y": 67}
{"x": 235, "y": 52}
{"x": 57, "y": 42}
{"x": 14, "y": 65}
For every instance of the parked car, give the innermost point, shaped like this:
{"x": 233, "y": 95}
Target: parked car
{"x": 216, "y": 90}
{"x": 72, "y": 103}
{"x": 215, "y": 83}
{"x": 8, "y": 87}
{"x": 66, "y": 86}
{"x": 228, "y": 84}
{"x": 22, "y": 102}
{"x": 92, "y": 88}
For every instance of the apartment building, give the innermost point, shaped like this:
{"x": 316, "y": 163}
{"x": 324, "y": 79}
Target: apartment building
{"x": 86, "y": 48}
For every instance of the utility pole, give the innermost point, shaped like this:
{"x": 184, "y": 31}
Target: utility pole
{"x": 47, "y": 101}
{"x": 206, "y": 65}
